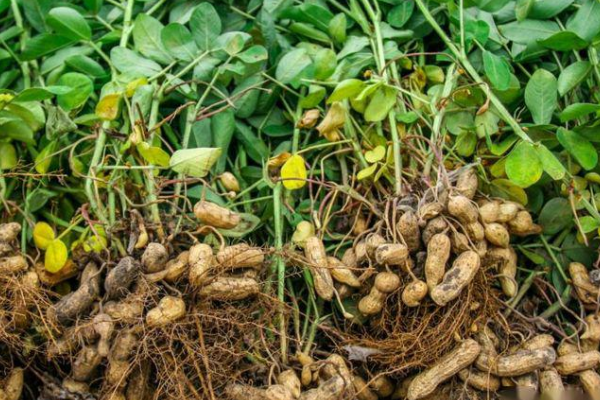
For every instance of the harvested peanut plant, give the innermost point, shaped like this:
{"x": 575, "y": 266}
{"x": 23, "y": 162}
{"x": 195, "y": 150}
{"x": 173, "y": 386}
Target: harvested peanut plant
{"x": 278, "y": 199}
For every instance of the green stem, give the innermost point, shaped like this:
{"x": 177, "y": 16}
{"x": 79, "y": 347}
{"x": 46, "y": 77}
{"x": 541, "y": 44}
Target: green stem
{"x": 127, "y": 26}
{"x": 504, "y": 113}
{"x": 90, "y": 189}
{"x": 553, "y": 257}
{"x": 280, "y": 265}
{"x": 296, "y": 136}
{"x": 23, "y": 37}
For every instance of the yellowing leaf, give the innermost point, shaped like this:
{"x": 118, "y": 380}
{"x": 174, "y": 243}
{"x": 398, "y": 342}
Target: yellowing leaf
{"x": 333, "y": 121}
{"x": 108, "y": 106}
{"x": 278, "y": 160}
{"x": 131, "y": 86}
{"x": 95, "y": 243}
{"x": 375, "y": 155}
{"x": 367, "y": 172}
{"x": 195, "y": 162}
{"x": 153, "y": 155}
{"x": 43, "y": 235}
{"x": 44, "y": 158}
{"x": 293, "y": 173}
{"x": 56, "y": 256}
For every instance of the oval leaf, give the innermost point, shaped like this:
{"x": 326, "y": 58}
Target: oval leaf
{"x": 579, "y": 147}
{"x": 540, "y": 96}
{"x": 43, "y": 235}
{"x": 523, "y": 167}
{"x": 195, "y": 162}
{"x": 69, "y": 23}
{"x": 293, "y": 173}
{"x": 56, "y": 256}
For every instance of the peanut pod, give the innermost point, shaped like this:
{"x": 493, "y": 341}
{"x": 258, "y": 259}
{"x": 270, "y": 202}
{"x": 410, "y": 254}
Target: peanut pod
{"x": 438, "y": 253}
{"x": 449, "y": 365}
{"x": 214, "y": 215}
{"x": 463, "y": 271}
{"x": 241, "y": 256}
{"x": 317, "y": 259}
{"x": 230, "y": 288}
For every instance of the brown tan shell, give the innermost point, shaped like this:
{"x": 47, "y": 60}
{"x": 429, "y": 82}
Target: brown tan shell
{"x": 449, "y": 365}
{"x": 214, "y": 215}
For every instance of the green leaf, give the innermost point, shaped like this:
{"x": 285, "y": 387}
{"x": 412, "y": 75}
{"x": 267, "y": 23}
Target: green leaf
{"x": 563, "y": 41}
{"x": 313, "y": 14}
{"x": 44, "y": 44}
{"x": 128, "y": 61}
{"x": 337, "y": 28}
{"x": 588, "y": 224}
{"x": 68, "y": 22}
{"x": 400, "y": 14}
{"x": 16, "y": 129}
{"x": 556, "y": 215}
{"x": 573, "y": 75}
{"x": 347, "y": 88}
{"x": 552, "y": 165}
{"x": 544, "y": 9}
{"x": 147, "y": 39}
{"x": 586, "y": 21}
{"x": 523, "y": 167}
{"x": 205, "y": 25}
{"x": 86, "y": 65}
{"x": 248, "y": 223}
{"x": 502, "y": 147}
{"x": 325, "y": 62}
{"x": 523, "y": 8}
{"x": 508, "y": 190}
{"x": 81, "y": 89}
{"x": 223, "y": 127}
{"x": 578, "y": 110}
{"x": 253, "y": 54}
{"x": 529, "y": 30}
{"x": 541, "y": 96}
{"x": 497, "y": 70}
{"x": 491, "y": 5}
{"x": 36, "y": 11}
{"x": 486, "y": 124}
{"x": 8, "y": 156}
{"x": 194, "y": 162}
{"x": 31, "y": 113}
{"x": 153, "y": 155}
{"x": 45, "y": 157}
{"x": 466, "y": 143}
{"x": 257, "y": 149}
{"x": 315, "y": 95}
{"x": 179, "y": 42}
{"x": 458, "y": 122}
{"x": 247, "y": 103}
{"x": 41, "y": 93}
{"x": 232, "y": 42}
{"x": 409, "y": 117}
{"x": 579, "y": 147}
{"x": 292, "y": 66}
{"x": 381, "y": 104}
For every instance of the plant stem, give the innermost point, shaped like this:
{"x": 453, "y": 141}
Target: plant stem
{"x": 280, "y": 265}
{"x": 90, "y": 189}
{"x": 504, "y": 113}
{"x": 127, "y": 27}
{"x": 22, "y": 39}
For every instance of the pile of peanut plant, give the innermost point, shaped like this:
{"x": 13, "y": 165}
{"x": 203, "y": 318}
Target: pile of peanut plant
{"x": 278, "y": 199}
